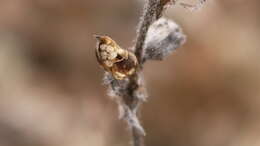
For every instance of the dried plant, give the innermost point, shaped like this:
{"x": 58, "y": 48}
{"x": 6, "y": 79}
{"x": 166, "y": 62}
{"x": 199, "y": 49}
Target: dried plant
{"x": 157, "y": 37}
{"x": 193, "y": 7}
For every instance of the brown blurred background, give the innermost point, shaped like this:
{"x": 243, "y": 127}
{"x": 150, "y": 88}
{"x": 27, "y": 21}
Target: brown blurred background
{"x": 51, "y": 92}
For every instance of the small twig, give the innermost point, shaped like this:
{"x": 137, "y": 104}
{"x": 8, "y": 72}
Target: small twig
{"x": 137, "y": 139}
{"x": 152, "y": 11}
{"x": 193, "y": 7}
{"x": 130, "y": 93}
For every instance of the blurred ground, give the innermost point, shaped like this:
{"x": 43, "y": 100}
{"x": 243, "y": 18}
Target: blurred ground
{"x": 206, "y": 94}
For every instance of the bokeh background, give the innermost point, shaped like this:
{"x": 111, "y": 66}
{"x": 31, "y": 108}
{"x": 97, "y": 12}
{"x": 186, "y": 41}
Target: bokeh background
{"x": 51, "y": 93}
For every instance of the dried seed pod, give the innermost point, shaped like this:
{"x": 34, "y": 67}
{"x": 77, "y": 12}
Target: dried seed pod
{"x": 121, "y": 63}
{"x": 163, "y": 37}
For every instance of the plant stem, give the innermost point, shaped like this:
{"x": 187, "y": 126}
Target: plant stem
{"x": 152, "y": 11}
